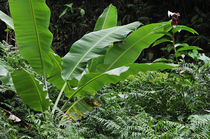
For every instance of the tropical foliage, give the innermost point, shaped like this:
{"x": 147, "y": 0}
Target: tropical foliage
{"x": 64, "y": 90}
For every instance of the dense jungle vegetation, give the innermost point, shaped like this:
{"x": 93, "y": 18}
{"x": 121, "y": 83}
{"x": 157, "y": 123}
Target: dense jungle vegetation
{"x": 104, "y": 69}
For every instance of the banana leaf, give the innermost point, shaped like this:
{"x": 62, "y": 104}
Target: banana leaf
{"x": 134, "y": 44}
{"x": 30, "y": 90}
{"x": 91, "y": 46}
{"x": 107, "y": 19}
{"x": 31, "y": 21}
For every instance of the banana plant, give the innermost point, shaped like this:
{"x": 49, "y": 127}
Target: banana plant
{"x": 106, "y": 20}
{"x": 115, "y": 61}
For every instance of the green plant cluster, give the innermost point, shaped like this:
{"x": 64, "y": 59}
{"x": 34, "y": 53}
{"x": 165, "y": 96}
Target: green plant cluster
{"x": 61, "y": 92}
{"x": 152, "y": 105}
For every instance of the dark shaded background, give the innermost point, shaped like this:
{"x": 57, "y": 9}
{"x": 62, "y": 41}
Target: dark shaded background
{"x": 72, "y": 26}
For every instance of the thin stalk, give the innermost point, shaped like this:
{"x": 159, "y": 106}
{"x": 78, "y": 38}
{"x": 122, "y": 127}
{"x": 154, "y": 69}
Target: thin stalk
{"x": 173, "y": 43}
{"x": 58, "y": 98}
{"x": 7, "y": 36}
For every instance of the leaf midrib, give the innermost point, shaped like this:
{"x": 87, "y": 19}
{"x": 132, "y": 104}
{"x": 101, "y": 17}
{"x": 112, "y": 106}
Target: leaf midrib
{"x": 38, "y": 92}
{"x": 37, "y": 37}
{"x": 89, "y": 81}
{"x": 90, "y": 50}
{"x": 105, "y": 18}
{"x": 115, "y": 61}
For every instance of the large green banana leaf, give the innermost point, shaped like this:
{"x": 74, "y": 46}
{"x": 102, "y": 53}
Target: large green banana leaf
{"x": 107, "y": 19}
{"x": 91, "y": 46}
{"x": 30, "y": 90}
{"x": 31, "y": 20}
{"x": 131, "y": 48}
{"x": 92, "y": 82}
{"x": 6, "y": 19}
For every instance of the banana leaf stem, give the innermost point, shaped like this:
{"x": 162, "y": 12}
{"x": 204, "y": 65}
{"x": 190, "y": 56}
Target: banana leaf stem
{"x": 58, "y": 98}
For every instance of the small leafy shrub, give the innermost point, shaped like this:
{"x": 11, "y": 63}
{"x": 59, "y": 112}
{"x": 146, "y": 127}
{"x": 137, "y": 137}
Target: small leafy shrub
{"x": 6, "y": 129}
{"x": 10, "y": 55}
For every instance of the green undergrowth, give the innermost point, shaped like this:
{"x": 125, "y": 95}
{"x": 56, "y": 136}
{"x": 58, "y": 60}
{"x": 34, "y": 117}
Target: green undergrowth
{"x": 150, "y": 105}
{"x": 153, "y": 105}
{"x": 170, "y": 104}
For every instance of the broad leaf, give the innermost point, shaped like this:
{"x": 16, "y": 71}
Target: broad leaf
{"x": 179, "y": 28}
{"x": 91, "y": 46}
{"x": 93, "y": 65}
{"x": 31, "y": 20}
{"x": 107, "y": 19}
{"x": 134, "y": 44}
{"x": 30, "y": 90}
{"x": 6, "y": 19}
{"x": 92, "y": 82}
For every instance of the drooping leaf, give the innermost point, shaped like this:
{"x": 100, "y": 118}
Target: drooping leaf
{"x": 189, "y": 48}
{"x": 30, "y": 90}
{"x": 163, "y": 60}
{"x": 92, "y": 82}
{"x": 161, "y": 41}
{"x": 107, "y": 19}
{"x": 6, "y": 19}
{"x": 77, "y": 109}
{"x": 91, "y": 46}
{"x": 179, "y": 28}
{"x": 31, "y": 20}
{"x": 185, "y": 47}
{"x": 134, "y": 44}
